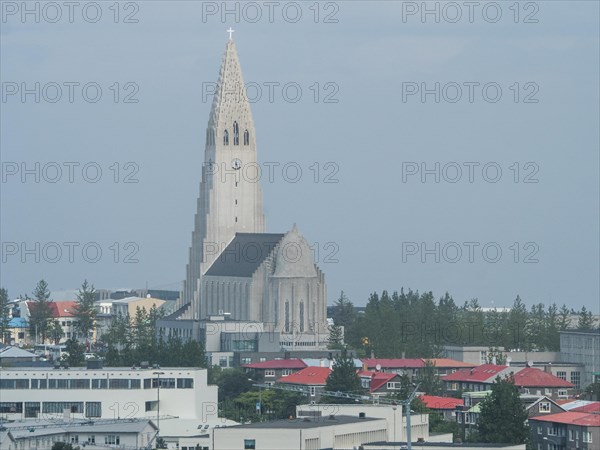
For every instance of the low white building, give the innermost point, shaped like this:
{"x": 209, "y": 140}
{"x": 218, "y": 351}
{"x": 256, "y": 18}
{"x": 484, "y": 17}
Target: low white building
{"x": 102, "y": 434}
{"x": 395, "y": 421}
{"x": 109, "y": 393}
{"x": 337, "y": 432}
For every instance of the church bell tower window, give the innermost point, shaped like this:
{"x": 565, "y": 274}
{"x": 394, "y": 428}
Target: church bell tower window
{"x": 225, "y": 137}
{"x": 246, "y": 138}
{"x": 302, "y": 317}
{"x": 236, "y": 134}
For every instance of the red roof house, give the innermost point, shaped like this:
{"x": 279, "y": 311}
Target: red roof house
{"x": 441, "y": 403}
{"x": 309, "y": 376}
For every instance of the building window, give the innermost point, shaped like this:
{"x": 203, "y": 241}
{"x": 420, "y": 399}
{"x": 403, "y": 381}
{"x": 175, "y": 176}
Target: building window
{"x": 99, "y": 383}
{"x": 562, "y": 375}
{"x": 112, "y": 439}
{"x": 185, "y": 383}
{"x": 544, "y": 407}
{"x": 286, "y": 372}
{"x": 262, "y": 359}
{"x": 60, "y": 407}
{"x": 246, "y": 138}
{"x": 246, "y": 360}
{"x": 562, "y": 393}
{"x": 540, "y": 429}
{"x": 269, "y": 373}
{"x": 124, "y": 383}
{"x": 32, "y": 409}
{"x": 313, "y": 391}
{"x": 393, "y": 385}
{"x": 576, "y": 379}
{"x": 223, "y": 361}
{"x": 225, "y": 137}
{"x": 236, "y": 134}
{"x": 587, "y": 436}
{"x": 301, "y": 317}
{"x": 92, "y": 439}
{"x": 93, "y": 409}
{"x": 287, "y": 317}
{"x": 11, "y": 407}
{"x": 571, "y": 435}
{"x": 249, "y": 444}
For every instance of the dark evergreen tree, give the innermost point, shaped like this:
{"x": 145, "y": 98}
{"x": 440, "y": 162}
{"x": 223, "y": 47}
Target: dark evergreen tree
{"x": 40, "y": 312}
{"x": 343, "y": 378}
{"x": 85, "y": 311}
{"x": 430, "y": 381}
{"x": 75, "y": 352}
{"x": 343, "y": 313}
{"x": 586, "y": 320}
{"x": 4, "y": 316}
{"x": 503, "y": 417}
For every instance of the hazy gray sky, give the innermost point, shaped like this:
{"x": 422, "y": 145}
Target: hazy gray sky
{"x": 381, "y": 220}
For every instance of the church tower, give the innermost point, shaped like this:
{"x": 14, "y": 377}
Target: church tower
{"x": 230, "y": 199}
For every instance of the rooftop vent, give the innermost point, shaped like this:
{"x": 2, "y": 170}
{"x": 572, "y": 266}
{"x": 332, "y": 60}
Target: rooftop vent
{"x": 361, "y": 415}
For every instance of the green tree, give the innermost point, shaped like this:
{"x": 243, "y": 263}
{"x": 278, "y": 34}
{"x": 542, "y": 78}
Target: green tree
{"x": 85, "y": 310}
{"x": 75, "y": 352}
{"x": 496, "y": 356}
{"x": 592, "y": 392}
{"x": 586, "y": 320}
{"x": 564, "y": 321}
{"x": 518, "y": 326}
{"x": 4, "y": 316}
{"x": 55, "y": 332}
{"x": 40, "y": 312}
{"x": 343, "y": 378}
{"x": 343, "y": 313}
{"x": 503, "y": 415}
{"x": 336, "y": 339}
{"x": 232, "y": 383}
{"x": 430, "y": 381}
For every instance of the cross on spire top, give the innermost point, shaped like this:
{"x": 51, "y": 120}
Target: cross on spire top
{"x": 230, "y": 31}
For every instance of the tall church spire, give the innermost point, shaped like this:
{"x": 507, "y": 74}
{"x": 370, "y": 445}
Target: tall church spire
{"x": 230, "y": 199}
{"x": 230, "y": 102}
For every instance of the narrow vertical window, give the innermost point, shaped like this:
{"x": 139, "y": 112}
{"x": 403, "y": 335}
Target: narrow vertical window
{"x": 236, "y": 134}
{"x": 286, "y": 312}
{"x": 226, "y": 137}
{"x": 246, "y": 138}
{"x": 301, "y": 317}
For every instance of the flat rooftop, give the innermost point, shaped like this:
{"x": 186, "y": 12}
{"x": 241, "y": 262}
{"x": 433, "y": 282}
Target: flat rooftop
{"x": 302, "y": 423}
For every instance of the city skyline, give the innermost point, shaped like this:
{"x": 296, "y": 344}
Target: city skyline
{"x": 370, "y": 214}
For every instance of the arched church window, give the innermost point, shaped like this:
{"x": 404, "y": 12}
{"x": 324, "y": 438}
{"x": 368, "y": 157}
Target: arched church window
{"x": 225, "y": 137}
{"x": 236, "y": 134}
{"x": 246, "y": 138}
{"x": 301, "y": 317}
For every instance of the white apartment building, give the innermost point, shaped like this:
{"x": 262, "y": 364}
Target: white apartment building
{"x": 109, "y": 393}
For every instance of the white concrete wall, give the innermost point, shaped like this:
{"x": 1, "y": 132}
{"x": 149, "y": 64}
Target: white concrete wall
{"x": 199, "y": 402}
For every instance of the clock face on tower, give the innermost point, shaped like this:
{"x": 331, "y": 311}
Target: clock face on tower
{"x": 236, "y": 164}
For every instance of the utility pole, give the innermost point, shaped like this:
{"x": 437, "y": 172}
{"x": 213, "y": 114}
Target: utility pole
{"x": 406, "y": 404}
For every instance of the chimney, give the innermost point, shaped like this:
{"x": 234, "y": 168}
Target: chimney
{"x": 403, "y": 355}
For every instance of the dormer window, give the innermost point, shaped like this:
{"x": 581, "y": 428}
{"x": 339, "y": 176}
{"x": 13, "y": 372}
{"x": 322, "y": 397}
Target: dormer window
{"x": 246, "y": 138}
{"x": 226, "y": 137}
{"x": 236, "y": 134}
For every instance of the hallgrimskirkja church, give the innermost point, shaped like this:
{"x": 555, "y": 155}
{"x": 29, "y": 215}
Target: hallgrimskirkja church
{"x": 237, "y": 270}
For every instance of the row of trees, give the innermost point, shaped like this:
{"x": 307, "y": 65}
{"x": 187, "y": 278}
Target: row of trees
{"x": 132, "y": 340}
{"x": 43, "y": 326}
{"x": 417, "y": 325}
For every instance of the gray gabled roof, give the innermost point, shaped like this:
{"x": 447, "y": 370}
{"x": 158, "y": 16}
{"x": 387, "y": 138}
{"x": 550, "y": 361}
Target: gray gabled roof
{"x": 244, "y": 254}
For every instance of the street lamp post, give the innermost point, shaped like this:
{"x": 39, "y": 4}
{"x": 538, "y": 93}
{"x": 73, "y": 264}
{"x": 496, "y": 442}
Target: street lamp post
{"x": 158, "y": 374}
{"x": 406, "y": 403}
